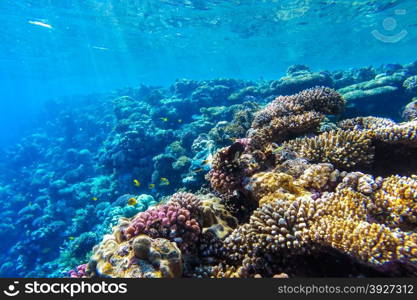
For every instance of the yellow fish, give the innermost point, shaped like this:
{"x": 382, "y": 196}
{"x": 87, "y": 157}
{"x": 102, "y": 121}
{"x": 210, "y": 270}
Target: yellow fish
{"x": 151, "y": 186}
{"x": 164, "y": 181}
{"x": 71, "y": 238}
{"x": 106, "y": 268}
{"x": 94, "y": 199}
{"x": 164, "y": 119}
{"x": 132, "y": 201}
{"x": 136, "y": 182}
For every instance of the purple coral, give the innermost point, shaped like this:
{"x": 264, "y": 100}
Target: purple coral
{"x": 79, "y": 272}
{"x": 172, "y": 221}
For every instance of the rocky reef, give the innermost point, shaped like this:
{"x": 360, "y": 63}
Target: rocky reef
{"x": 267, "y": 178}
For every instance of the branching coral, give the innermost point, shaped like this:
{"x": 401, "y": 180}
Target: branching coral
{"x": 294, "y": 115}
{"x": 285, "y": 117}
{"x": 344, "y": 149}
{"x": 226, "y": 172}
{"x": 365, "y": 123}
{"x": 395, "y": 203}
{"x": 279, "y": 129}
{"x": 174, "y": 221}
{"x": 297, "y": 193}
{"x": 405, "y": 133}
{"x": 410, "y": 110}
{"x": 307, "y": 203}
{"x": 321, "y": 99}
{"x": 292, "y": 220}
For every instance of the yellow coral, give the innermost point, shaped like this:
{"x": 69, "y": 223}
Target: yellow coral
{"x": 269, "y": 186}
{"x": 344, "y": 149}
{"x": 290, "y": 220}
{"x": 405, "y": 133}
{"x": 141, "y": 257}
{"x": 396, "y": 201}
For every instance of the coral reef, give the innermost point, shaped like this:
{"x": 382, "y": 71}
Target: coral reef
{"x": 268, "y": 177}
{"x": 162, "y": 241}
{"x": 410, "y": 110}
{"x": 344, "y": 149}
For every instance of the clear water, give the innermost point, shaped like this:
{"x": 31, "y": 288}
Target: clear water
{"x": 100, "y": 45}
{"x": 59, "y": 49}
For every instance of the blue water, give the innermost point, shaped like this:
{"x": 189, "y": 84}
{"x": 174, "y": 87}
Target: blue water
{"x": 63, "y": 62}
{"x": 101, "y": 45}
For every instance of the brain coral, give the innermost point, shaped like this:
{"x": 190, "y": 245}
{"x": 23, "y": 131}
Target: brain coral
{"x": 140, "y": 257}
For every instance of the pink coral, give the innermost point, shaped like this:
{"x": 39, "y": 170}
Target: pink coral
{"x": 79, "y": 272}
{"x": 170, "y": 221}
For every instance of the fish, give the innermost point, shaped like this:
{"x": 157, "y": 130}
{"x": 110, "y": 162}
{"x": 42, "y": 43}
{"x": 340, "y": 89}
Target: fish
{"x": 136, "y": 182}
{"x": 277, "y": 149}
{"x": 42, "y": 24}
{"x": 164, "y": 181}
{"x": 132, "y": 201}
{"x": 107, "y": 268}
{"x": 151, "y": 186}
{"x": 198, "y": 170}
{"x": 164, "y": 119}
{"x": 208, "y": 160}
{"x": 179, "y": 120}
{"x": 99, "y": 48}
{"x": 71, "y": 238}
{"x": 94, "y": 199}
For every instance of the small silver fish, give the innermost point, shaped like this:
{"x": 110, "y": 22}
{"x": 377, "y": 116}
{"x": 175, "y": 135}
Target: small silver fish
{"x": 42, "y": 24}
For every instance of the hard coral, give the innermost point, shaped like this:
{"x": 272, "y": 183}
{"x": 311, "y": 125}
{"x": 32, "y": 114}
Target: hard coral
{"x": 140, "y": 257}
{"x": 307, "y": 202}
{"x": 292, "y": 220}
{"x": 155, "y": 243}
{"x": 410, "y": 111}
{"x": 172, "y": 221}
{"x": 226, "y": 173}
{"x": 344, "y": 149}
